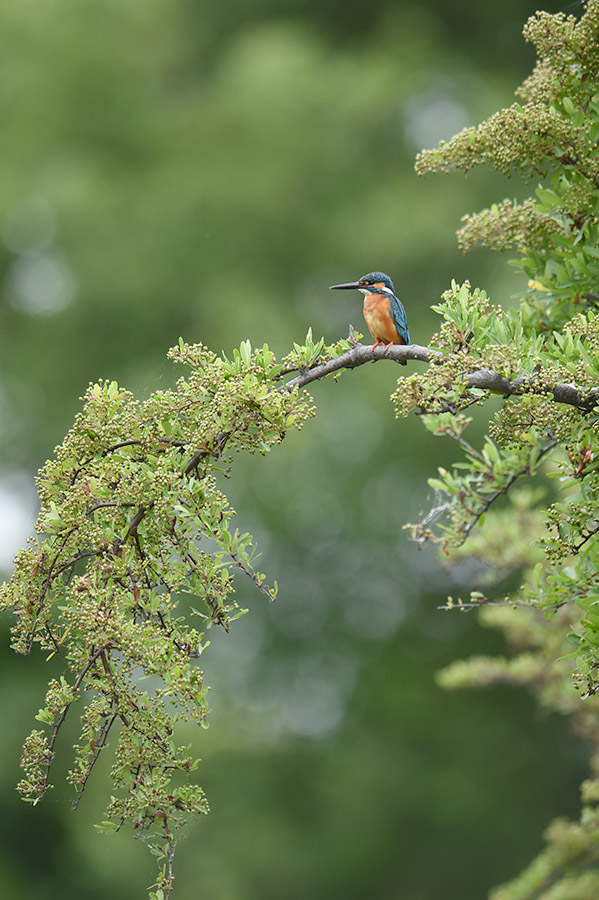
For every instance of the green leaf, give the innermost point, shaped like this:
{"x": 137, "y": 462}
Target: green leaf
{"x": 245, "y": 351}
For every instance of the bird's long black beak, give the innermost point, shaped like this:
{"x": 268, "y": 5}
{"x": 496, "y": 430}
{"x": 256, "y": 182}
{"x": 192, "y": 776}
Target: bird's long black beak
{"x": 347, "y": 286}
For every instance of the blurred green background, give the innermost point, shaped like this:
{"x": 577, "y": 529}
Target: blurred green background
{"x": 181, "y": 167}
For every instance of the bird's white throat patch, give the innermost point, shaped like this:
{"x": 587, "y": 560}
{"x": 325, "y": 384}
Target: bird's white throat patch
{"x": 368, "y": 291}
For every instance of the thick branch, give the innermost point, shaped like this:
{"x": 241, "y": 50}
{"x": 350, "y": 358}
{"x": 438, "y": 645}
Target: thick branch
{"x": 483, "y": 379}
{"x": 489, "y": 380}
{"x": 358, "y": 356}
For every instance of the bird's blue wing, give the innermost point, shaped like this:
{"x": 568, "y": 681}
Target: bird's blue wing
{"x": 400, "y": 320}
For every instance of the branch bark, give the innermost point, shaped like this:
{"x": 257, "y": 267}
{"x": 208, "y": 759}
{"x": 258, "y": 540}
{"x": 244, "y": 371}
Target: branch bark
{"x": 483, "y": 378}
{"x": 358, "y": 356}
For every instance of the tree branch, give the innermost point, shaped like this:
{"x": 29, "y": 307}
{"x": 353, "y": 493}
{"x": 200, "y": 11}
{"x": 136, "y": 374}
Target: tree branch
{"x": 486, "y": 503}
{"x": 41, "y": 789}
{"x": 99, "y": 746}
{"x": 570, "y": 394}
{"x": 483, "y": 378}
{"x": 358, "y": 356}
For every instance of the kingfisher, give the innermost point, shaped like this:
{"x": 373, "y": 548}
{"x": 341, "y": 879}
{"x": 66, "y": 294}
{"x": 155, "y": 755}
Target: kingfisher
{"x": 383, "y": 310}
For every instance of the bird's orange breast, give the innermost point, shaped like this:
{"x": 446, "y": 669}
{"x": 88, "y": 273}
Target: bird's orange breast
{"x": 378, "y": 318}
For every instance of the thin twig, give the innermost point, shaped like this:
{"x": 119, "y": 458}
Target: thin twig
{"x": 99, "y": 746}
{"x": 72, "y": 562}
{"x": 115, "y": 694}
{"x": 485, "y": 504}
{"x": 58, "y": 724}
{"x": 466, "y": 607}
{"x": 587, "y": 537}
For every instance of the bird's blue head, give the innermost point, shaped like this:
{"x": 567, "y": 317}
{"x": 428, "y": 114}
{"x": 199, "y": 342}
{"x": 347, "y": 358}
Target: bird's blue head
{"x": 376, "y": 280}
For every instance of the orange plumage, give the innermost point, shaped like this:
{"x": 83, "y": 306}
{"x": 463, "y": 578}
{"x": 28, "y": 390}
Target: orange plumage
{"x": 377, "y": 313}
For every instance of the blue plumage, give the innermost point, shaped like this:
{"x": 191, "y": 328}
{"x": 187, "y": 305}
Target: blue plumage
{"x": 400, "y": 319}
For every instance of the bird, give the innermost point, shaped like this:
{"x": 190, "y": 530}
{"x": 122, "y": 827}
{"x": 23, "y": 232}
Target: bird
{"x": 383, "y": 310}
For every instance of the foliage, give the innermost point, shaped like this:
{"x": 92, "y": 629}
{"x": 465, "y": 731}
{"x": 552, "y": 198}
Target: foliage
{"x": 208, "y": 177}
{"x": 134, "y": 519}
{"x": 544, "y": 347}
{"x": 133, "y": 523}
